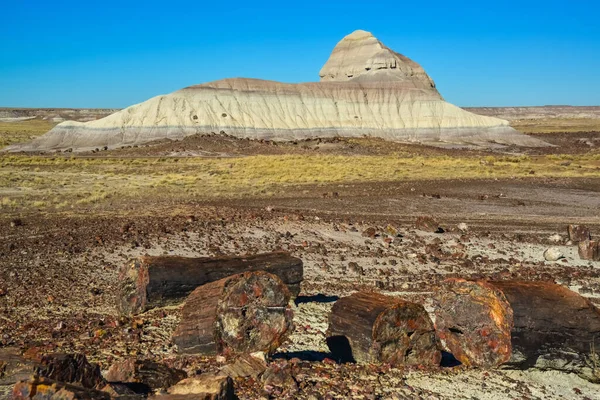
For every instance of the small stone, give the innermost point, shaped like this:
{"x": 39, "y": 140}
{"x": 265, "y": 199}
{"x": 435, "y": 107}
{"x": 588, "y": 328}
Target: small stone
{"x": 370, "y": 232}
{"x": 355, "y": 268}
{"x": 205, "y": 386}
{"x": 462, "y": 227}
{"x": 556, "y": 238}
{"x": 553, "y": 254}
{"x": 427, "y": 223}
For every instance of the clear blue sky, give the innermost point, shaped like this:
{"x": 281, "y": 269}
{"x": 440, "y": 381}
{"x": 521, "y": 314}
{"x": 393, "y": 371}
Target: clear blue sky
{"x": 116, "y": 53}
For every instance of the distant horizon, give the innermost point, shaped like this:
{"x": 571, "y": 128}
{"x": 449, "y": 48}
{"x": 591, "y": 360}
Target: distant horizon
{"x": 115, "y": 54}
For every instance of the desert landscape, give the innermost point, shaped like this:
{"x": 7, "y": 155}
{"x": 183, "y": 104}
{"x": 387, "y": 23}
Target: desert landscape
{"x": 370, "y": 187}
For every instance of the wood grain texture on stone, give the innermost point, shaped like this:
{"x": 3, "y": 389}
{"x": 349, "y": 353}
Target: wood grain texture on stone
{"x": 70, "y": 368}
{"x": 13, "y": 366}
{"x": 474, "y": 321}
{"x": 48, "y": 389}
{"x": 242, "y": 313}
{"x": 589, "y": 250}
{"x": 371, "y": 327}
{"x": 519, "y": 323}
{"x": 206, "y": 386}
{"x": 554, "y": 327}
{"x": 366, "y": 89}
{"x": 147, "y": 282}
{"x": 148, "y": 375}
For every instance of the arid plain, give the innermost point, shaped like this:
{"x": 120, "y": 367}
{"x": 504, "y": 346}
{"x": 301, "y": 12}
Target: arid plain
{"x": 70, "y": 220}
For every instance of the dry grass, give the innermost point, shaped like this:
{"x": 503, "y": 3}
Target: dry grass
{"x": 23, "y": 131}
{"x": 555, "y": 125}
{"x": 54, "y": 183}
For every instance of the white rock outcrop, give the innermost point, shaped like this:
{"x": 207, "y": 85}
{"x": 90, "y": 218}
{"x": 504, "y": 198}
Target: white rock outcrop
{"x": 366, "y": 89}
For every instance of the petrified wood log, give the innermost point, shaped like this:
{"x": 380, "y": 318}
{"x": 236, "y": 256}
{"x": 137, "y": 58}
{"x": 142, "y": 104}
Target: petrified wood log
{"x": 47, "y": 389}
{"x": 550, "y": 326}
{"x": 70, "y": 368}
{"x": 148, "y": 282}
{"x": 589, "y": 250}
{"x": 579, "y": 233}
{"x": 554, "y": 327}
{"x": 242, "y": 313}
{"x": 371, "y": 327}
{"x": 145, "y": 375}
{"x": 474, "y": 322}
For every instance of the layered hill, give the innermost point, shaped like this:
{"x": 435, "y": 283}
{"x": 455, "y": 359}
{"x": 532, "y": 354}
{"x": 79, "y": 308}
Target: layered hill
{"x": 366, "y": 89}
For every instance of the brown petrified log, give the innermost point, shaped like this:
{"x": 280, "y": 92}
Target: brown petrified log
{"x": 145, "y": 374}
{"x": 48, "y": 389}
{"x": 147, "y": 282}
{"x": 371, "y": 327}
{"x": 524, "y": 324}
{"x": 578, "y": 233}
{"x": 242, "y": 313}
{"x": 474, "y": 322}
{"x": 589, "y": 250}
{"x": 554, "y": 327}
{"x": 70, "y": 368}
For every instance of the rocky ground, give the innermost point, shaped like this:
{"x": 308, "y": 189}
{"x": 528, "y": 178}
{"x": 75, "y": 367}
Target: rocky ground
{"x": 59, "y": 267}
{"x": 58, "y": 274}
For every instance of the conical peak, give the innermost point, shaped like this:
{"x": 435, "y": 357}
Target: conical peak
{"x": 359, "y": 35}
{"x": 360, "y": 56}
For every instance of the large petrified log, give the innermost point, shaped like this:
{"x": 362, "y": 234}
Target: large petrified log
{"x": 242, "y": 313}
{"x": 13, "y": 366}
{"x": 551, "y": 327}
{"x": 371, "y": 327}
{"x": 554, "y": 327}
{"x": 48, "y": 389}
{"x": 474, "y": 321}
{"x": 147, "y": 282}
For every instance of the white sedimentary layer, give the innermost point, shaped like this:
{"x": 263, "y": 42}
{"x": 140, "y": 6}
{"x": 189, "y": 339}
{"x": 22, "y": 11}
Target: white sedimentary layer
{"x": 391, "y": 98}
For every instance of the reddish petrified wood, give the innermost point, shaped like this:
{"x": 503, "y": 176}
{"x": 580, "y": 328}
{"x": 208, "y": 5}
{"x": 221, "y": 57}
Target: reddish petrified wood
{"x": 371, "y": 327}
{"x": 474, "y": 322}
{"x": 47, "y": 389}
{"x": 554, "y": 327}
{"x": 579, "y": 233}
{"x": 521, "y": 323}
{"x": 589, "y": 250}
{"x": 147, "y": 282}
{"x": 147, "y": 375}
{"x": 242, "y": 313}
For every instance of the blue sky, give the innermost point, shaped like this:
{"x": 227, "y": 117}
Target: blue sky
{"x": 117, "y": 53}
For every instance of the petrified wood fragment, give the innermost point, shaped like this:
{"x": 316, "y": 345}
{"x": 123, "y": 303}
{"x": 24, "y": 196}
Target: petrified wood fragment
{"x": 589, "y": 250}
{"x": 549, "y": 326}
{"x": 70, "y": 368}
{"x": 206, "y": 386}
{"x": 242, "y": 313}
{"x": 371, "y": 327}
{"x": 147, "y": 282}
{"x": 47, "y": 389}
{"x": 578, "y": 233}
{"x": 474, "y": 322}
{"x": 13, "y": 366}
{"x": 145, "y": 374}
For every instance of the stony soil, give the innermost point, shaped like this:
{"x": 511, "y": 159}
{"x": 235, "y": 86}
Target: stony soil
{"x": 58, "y": 273}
